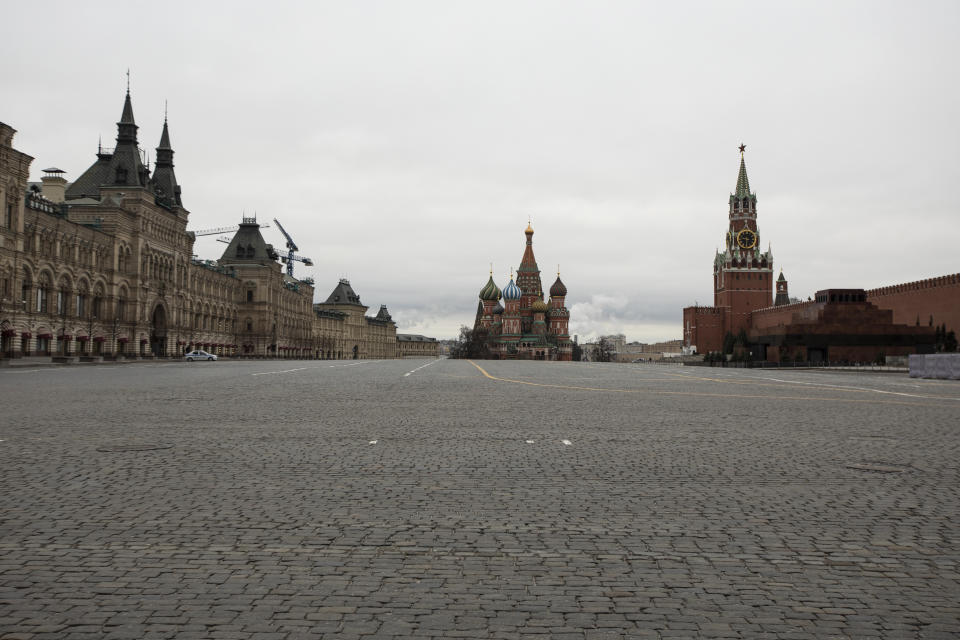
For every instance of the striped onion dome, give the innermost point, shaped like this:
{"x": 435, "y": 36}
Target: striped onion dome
{"x": 490, "y": 291}
{"x": 558, "y": 289}
{"x": 512, "y": 291}
{"x": 539, "y": 306}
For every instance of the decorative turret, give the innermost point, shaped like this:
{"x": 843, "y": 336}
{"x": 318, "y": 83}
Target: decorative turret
{"x": 511, "y": 314}
{"x": 164, "y": 181}
{"x": 539, "y": 309}
{"x": 489, "y": 296}
{"x": 783, "y": 296}
{"x": 383, "y": 315}
{"x": 558, "y": 289}
{"x": 126, "y": 167}
{"x": 490, "y": 291}
{"x": 559, "y": 316}
{"x": 511, "y": 292}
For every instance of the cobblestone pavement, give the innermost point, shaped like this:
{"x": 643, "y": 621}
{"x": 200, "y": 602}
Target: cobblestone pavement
{"x": 285, "y": 500}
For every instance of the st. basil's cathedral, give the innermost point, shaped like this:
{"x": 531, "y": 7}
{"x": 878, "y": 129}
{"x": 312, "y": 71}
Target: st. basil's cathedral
{"x": 525, "y": 326}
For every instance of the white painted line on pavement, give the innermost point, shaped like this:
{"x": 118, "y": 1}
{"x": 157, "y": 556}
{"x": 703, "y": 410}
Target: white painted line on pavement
{"x": 844, "y": 387}
{"x": 529, "y": 441}
{"x": 373, "y": 442}
{"x": 267, "y": 373}
{"x": 566, "y": 442}
{"x": 418, "y": 368}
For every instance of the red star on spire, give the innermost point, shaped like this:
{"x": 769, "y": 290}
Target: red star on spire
{"x": 742, "y": 147}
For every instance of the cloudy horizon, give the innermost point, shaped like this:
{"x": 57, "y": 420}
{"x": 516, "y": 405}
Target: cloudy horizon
{"x": 405, "y": 145}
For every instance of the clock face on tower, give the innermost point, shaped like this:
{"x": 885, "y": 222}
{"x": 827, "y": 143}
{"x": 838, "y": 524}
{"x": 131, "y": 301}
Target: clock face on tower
{"x": 747, "y": 239}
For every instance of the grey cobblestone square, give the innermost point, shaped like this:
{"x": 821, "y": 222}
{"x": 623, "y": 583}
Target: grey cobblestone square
{"x": 163, "y": 500}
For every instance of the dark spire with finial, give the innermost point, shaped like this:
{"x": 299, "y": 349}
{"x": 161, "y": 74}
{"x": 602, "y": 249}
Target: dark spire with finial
{"x": 164, "y": 180}
{"x": 123, "y": 167}
{"x": 127, "y": 127}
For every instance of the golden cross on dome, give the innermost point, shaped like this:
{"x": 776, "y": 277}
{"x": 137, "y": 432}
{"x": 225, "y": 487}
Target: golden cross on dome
{"x": 742, "y": 148}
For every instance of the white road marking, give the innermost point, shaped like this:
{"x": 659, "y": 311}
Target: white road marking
{"x": 851, "y": 388}
{"x": 267, "y": 373}
{"x": 566, "y": 442}
{"x": 529, "y": 441}
{"x": 373, "y": 442}
{"x": 418, "y": 368}
{"x": 353, "y": 364}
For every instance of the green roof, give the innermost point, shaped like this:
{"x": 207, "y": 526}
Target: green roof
{"x": 743, "y": 184}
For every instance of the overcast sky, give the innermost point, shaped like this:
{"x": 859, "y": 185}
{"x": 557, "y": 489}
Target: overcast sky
{"x": 404, "y": 144}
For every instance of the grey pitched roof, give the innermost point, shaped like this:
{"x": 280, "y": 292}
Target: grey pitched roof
{"x": 414, "y": 337}
{"x": 343, "y": 293}
{"x": 248, "y": 246}
{"x": 383, "y": 314}
{"x": 88, "y": 184}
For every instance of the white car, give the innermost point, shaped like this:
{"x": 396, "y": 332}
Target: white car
{"x": 199, "y": 355}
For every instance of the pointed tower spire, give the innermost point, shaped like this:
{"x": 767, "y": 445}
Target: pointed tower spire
{"x": 126, "y": 166}
{"x": 164, "y": 180}
{"x": 743, "y": 184}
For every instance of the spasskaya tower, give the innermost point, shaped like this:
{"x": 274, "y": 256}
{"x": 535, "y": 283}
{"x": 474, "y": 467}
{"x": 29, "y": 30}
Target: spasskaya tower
{"x": 742, "y": 273}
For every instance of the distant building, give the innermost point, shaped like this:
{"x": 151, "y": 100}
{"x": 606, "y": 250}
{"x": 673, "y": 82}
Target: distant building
{"x": 525, "y": 326}
{"x": 104, "y": 266}
{"x": 416, "y": 346}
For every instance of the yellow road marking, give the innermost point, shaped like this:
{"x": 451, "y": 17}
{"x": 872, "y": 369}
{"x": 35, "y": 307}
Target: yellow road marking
{"x": 703, "y": 394}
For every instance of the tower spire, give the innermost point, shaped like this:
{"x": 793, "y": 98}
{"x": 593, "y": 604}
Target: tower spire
{"x": 743, "y": 184}
{"x": 164, "y": 180}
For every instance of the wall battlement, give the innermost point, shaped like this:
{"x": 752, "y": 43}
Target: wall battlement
{"x": 918, "y": 285}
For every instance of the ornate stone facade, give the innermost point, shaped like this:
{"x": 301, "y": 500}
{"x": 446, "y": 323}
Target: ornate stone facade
{"x": 104, "y": 266}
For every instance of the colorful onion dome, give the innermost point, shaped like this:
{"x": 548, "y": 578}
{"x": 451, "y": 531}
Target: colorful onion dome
{"x": 539, "y": 306}
{"x": 490, "y": 291}
{"x": 512, "y": 291}
{"x": 497, "y": 310}
{"x": 558, "y": 289}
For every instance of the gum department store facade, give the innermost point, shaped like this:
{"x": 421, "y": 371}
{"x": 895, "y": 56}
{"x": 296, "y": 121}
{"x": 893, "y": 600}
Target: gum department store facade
{"x": 105, "y": 266}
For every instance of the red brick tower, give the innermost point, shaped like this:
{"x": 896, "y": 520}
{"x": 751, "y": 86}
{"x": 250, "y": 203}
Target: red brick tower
{"x": 742, "y": 274}
{"x": 783, "y": 294}
{"x": 528, "y": 279}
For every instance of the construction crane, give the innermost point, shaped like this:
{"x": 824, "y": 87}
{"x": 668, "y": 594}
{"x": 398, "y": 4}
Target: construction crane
{"x": 291, "y": 251}
{"x": 214, "y": 231}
